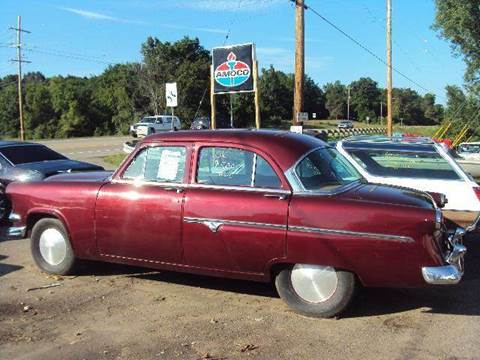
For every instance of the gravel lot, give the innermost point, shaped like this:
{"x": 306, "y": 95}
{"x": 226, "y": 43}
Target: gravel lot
{"x": 118, "y": 312}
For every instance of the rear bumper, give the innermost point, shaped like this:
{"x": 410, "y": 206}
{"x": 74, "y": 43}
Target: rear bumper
{"x": 452, "y": 272}
{"x": 442, "y": 275}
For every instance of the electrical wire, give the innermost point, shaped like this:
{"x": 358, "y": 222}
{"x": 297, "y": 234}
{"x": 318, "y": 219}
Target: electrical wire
{"x": 362, "y": 46}
{"x": 57, "y": 54}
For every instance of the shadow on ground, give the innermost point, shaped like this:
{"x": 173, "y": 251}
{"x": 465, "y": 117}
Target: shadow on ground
{"x": 7, "y": 268}
{"x": 461, "y": 299}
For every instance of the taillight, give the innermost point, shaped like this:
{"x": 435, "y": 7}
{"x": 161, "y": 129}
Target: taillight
{"x": 476, "y": 189}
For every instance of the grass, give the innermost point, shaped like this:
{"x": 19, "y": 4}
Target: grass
{"x": 114, "y": 159}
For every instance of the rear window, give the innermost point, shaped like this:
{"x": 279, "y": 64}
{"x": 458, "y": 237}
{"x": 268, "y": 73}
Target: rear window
{"x": 30, "y": 154}
{"x": 407, "y": 164}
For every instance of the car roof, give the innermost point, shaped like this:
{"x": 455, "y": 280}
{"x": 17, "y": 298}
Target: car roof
{"x": 285, "y": 147}
{"x": 8, "y": 143}
{"x": 380, "y": 142}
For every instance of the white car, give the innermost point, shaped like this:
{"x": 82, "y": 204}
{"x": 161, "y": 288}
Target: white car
{"x": 422, "y": 165}
{"x": 153, "y": 124}
{"x": 470, "y": 150}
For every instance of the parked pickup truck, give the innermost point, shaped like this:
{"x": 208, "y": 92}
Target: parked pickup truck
{"x": 257, "y": 205}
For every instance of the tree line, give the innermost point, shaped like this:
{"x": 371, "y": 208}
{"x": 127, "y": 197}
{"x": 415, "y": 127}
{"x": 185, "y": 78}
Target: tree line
{"x": 69, "y": 106}
{"x": 457, "y": 22}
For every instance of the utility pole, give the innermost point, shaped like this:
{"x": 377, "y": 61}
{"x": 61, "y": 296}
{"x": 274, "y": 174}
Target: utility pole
{"x": 19, "y": 61}
{"x": 381, "y": 112}
{"x": 299, "y": 58}
{"x": 348, "y": 103}
{"x": 389, "y": 69}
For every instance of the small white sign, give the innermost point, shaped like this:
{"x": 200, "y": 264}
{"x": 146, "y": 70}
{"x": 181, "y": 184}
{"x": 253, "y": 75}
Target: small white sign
{"x": 171, "y": 94}
{"x": 168, "y": 168}
{"x": 296, "y": 129}
{"x": 302, "y": 116}
{"x": 314, "y": 115}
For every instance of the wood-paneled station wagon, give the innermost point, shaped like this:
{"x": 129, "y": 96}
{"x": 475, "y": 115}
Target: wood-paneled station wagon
{"x": 259, "y": 205}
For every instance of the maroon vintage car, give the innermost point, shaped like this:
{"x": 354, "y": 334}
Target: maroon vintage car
{"x": 258, "y": 205}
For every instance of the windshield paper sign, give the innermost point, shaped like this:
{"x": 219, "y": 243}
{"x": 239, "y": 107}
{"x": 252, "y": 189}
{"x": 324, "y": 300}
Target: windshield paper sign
{"x": 232, "y": 68}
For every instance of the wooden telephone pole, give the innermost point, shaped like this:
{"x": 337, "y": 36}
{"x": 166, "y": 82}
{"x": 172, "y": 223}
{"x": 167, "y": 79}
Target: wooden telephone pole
{"x": 19, "y": 61}
{"x": 299, "y": 58}
{"x": 389, "y": 70}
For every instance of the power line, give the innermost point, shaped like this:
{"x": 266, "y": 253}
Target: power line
{"x": 58, "y": 54}
{"x": 362, "y": 46}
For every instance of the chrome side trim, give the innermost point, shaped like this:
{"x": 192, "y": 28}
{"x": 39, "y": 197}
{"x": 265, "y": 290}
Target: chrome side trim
{"x": 377, "y": 236}
{"x": 215, "y": 224}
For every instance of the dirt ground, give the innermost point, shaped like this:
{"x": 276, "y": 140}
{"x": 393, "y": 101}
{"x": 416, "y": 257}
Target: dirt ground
{"x": 118, "y": 312}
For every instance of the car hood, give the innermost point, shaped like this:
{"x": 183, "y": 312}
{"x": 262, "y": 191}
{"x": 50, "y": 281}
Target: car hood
{"x": 388, "y": 194}
{"x": 49, "y": 168}
{"x": 91, "y": 176}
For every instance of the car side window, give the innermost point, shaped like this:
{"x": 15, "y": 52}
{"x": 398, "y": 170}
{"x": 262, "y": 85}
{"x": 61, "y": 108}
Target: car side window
{"x": 158, "y": 164}
{"x": 265, "y": 176}
{"x": 235, "y": 167}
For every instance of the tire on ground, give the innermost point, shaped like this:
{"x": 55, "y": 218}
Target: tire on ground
{"x": 331, "y": 307}
{"x": 68, "y": 261}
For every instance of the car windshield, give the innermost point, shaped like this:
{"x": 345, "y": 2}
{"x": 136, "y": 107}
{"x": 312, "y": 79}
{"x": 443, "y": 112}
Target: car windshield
{"x": 404, "y": 163}
{"x": 148, "y": 120}
{"x": 28, "y": 154}
{"x": 325, "y": 169}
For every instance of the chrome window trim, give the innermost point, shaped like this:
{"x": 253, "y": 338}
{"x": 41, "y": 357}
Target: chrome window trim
{"x": 387, "y": 237}
{"x": 140, "y": 183}
{"x": 299, "y": 189}
{"x": 215, "y": 224}
{"x": 254, "y": 171}
{"x": 147, "y": 147}
{"x": 239, "y": 188}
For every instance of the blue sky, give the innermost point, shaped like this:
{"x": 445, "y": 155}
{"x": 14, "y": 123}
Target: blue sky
{"x": 82, "y": 37}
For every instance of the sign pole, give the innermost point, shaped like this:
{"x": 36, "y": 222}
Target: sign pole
{"x": 213, "y": 124}
{"x": 257, "y": 97}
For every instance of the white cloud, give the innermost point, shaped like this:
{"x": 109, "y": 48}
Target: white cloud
{"x": 202, "y": 29}
{"x": 229, "y": 5}
{"x": 99, "y": 16}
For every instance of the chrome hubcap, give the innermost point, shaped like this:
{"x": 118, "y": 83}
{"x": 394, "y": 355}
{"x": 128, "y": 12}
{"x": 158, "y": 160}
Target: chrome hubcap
{"x": 314, "y": 283}
{"x": 53, "y": 246}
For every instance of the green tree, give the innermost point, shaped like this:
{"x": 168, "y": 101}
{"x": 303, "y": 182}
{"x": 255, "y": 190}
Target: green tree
{"x": 185, "y": 62}
{"x": 336, "y": 100}
{"x": 365, "y": 96}
{"x": 457, "y": 21}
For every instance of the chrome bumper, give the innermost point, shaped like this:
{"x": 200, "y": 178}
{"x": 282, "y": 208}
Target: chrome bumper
{"x": 16, "y": 232}
{"x": 453, "y": 272}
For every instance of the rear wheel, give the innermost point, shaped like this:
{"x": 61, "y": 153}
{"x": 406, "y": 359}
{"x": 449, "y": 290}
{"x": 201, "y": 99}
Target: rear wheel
{"x": 51, "y": 248}
{"x": 314, "y": 290}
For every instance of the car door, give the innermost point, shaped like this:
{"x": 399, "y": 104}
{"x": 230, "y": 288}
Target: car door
{"x": 235, "y": 211}
{"x": 138, "y": 215}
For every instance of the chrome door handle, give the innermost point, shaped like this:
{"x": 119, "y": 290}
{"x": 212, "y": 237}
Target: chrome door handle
{"x": 178, "y": 190}
{"x": 278, "y": 196}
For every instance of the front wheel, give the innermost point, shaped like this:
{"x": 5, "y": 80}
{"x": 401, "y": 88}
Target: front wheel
{"x": 51, "y": 248}
{"x": 316, "y": 291}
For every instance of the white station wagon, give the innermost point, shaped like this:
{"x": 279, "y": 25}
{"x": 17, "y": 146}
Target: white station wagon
{"x": 422, "y": 165}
